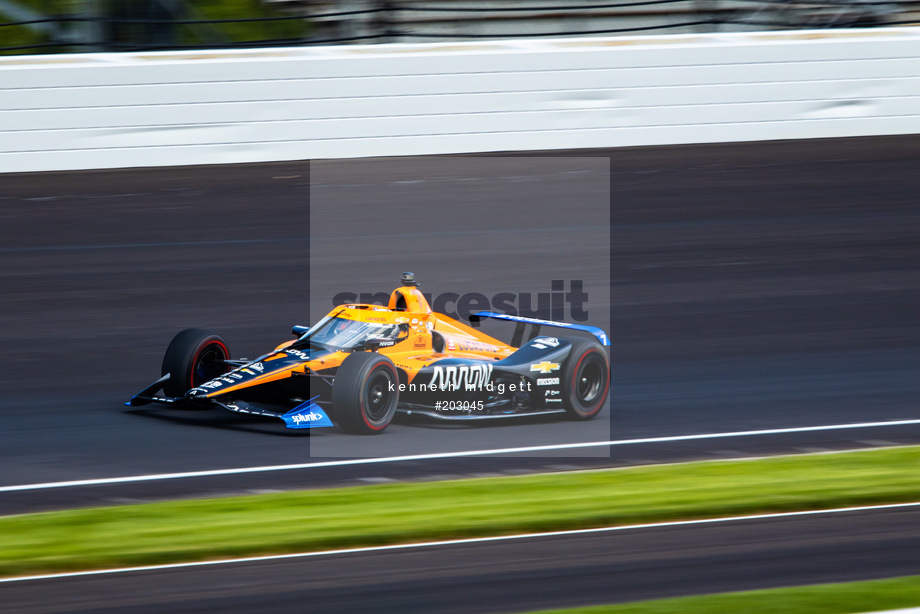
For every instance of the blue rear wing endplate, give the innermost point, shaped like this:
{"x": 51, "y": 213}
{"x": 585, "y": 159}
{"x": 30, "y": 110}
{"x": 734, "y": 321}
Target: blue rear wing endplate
{"x": 597, "y": 332}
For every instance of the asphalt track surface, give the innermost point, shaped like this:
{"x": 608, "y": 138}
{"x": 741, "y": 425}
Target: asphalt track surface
{"x": 751, "y": 286}
{"x": 514, "y": 576}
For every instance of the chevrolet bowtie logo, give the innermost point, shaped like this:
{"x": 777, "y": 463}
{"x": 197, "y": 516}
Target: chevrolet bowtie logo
{"x": 545, "y": 367}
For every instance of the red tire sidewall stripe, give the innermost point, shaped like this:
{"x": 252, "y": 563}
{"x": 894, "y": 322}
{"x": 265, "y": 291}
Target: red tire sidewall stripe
{"x": 198, "y": 355}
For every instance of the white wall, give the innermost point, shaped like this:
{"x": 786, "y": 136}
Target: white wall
{"x": 175, "y": 108}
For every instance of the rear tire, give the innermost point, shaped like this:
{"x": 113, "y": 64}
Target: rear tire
{"x": 193, "y": 357}
{"x": 362, "y": 402}
{"x": 585, "y": 379}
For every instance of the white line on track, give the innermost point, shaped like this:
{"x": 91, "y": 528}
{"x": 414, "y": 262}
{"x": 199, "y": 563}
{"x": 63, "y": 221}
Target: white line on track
{"x": 472, "y": 540}
{"x": 442, "y": 455}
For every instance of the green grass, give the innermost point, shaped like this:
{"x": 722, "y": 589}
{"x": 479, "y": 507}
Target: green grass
{"x": 398, "y": 513}
{"x": 849, "y": 598}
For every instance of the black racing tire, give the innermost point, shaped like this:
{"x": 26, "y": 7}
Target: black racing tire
{"x": 193, "y": 357}
{"x": 362, "y": 402}
{"x": 585, "y": 379}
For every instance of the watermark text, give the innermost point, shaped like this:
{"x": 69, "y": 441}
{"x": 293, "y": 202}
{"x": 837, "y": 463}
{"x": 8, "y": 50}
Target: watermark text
{"x": 542, "y": 305}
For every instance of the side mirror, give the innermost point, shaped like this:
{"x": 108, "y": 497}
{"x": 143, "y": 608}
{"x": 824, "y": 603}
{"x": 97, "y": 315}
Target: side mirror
{"x": 298, "y": 330}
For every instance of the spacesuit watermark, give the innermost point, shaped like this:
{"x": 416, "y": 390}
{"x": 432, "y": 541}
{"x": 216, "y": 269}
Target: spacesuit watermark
{"x": 541, "y": 305}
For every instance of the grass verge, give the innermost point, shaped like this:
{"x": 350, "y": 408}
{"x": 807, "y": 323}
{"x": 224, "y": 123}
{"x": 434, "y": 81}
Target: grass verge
{"x": 399, "y": 513}
{"x": 847, "y": 598}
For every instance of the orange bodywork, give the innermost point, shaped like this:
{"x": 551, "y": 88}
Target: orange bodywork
{"x": 431, "y": 337}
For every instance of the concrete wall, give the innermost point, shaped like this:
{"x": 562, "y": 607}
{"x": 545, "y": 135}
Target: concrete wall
{"x": 177, "y": 108}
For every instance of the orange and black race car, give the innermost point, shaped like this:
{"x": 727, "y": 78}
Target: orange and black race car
{"x": 360, "y": 364}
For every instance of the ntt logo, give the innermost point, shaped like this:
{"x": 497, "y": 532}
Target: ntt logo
{"x": 550, "y": 305}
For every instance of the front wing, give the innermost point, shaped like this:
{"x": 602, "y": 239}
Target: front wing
{"x": 304, "y": 416}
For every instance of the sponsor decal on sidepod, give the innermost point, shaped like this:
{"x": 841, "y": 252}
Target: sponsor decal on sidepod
{"x": 545, "y": 367}
{"x": 462, "y": 377}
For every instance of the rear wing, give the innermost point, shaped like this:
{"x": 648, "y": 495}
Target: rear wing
{"x": 522, "y": 323}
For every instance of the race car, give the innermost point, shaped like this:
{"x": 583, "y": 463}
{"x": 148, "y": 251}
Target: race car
{"x": 361, "y": 364}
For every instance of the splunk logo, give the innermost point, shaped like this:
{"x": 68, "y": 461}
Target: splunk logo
{"x": 311, "y": 417}
{"x": 547, "y": 306}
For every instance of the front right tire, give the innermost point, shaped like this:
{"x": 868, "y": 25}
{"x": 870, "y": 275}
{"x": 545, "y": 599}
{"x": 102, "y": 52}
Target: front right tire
{"x": 365, "y": 393}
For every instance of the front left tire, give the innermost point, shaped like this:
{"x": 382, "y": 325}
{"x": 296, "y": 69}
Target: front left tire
{"x": 193, "y": 357}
